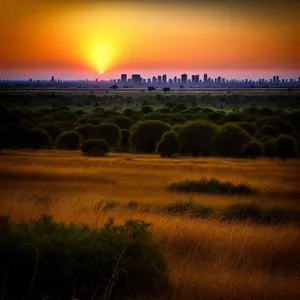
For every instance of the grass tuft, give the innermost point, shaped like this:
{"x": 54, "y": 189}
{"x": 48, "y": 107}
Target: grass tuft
{"x": 212, "y": 185}
{"x": 189, "y": 208}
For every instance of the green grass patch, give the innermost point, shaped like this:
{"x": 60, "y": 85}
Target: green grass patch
{"x": 212, "y": 185}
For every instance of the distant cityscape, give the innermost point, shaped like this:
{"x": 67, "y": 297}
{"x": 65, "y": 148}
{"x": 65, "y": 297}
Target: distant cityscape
{"x": 161, "y": 81}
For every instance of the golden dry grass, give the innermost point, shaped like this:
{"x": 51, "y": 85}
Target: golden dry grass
{"x": 208, "y": 259}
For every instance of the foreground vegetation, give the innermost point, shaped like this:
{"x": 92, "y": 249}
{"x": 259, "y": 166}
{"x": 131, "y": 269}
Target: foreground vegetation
{"x": 216, "y": 246}
{"x": 46, "y": 259}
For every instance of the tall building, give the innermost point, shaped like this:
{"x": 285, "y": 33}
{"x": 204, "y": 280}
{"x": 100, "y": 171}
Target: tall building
{"x": 274, "y": 79}
{"x": 154, "y": 80}
{"x": 277, "y": 78}
{"x": 219, "y": 79}
{"x": 183, "y": 78}
{"x": 205, "y": 77}
{"x": 164, "y": 78}
{"x": 52, "y": 79}
{"x": 123, "y": 78}
{"x": 136, "y": 79}
{"x": 175, "y": 79}
{"x": 159, "y": 79}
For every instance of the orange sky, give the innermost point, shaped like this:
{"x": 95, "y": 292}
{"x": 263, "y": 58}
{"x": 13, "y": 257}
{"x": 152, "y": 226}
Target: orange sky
{"x": 79, "y": 38}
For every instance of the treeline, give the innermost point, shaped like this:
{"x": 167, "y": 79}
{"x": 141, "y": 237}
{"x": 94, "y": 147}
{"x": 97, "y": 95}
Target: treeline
{"x": 172, "y": 128}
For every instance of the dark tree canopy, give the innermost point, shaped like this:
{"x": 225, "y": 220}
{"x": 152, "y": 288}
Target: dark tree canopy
{"x": 95, "y": 147}
{"x": 231, "y": 141}
{"x": 123, "y": 122}
{"x": 168, "y": 145}
{"x": 253, "y": 150}
{"x": 124, "y": 142}
{"x": 269, "y": 148}
{"x": 53, "y": 130}
{"x": 38, "y": 138}
{"x": 69, "y": 140}
{"x": 285, "y": 146}
{"x": 146, "y": 134}
{"x": 109, "y": 132}
{"x": 196, "y": 138}
{"x": 86, "y": 131}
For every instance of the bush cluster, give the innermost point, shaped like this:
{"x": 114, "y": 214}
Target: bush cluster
{"x": 41, "y": 258}
{"x": 199, "y": 124}
{"x": 212, "y": 185}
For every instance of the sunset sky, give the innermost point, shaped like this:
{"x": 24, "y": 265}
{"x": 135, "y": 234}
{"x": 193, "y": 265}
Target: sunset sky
{"x": 76, "y": 39}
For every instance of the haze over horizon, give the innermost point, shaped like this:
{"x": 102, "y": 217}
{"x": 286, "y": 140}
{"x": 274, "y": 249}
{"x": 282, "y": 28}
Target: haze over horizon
{"x": 72, "y": 40}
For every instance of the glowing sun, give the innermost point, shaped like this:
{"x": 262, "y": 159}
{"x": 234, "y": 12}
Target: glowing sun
{"x": 101, "y": 72}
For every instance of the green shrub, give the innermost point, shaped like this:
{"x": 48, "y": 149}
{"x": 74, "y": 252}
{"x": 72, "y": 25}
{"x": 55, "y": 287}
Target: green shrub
{"x": 146, "y": 109}
{"x": 69, "y": 140}
{"x": 168, "y": 145}
{"x": 285, "y": 146}
{"x": 268, "y": 130}
{"x": 109, "y": 132}
{"x": 87, "y": 131}
{"x": 95, "y": 147}
{"x": 78, "y": 262}
{"x": 212, "y": 185}
{"x": 145, "y": 135}
{"x": 124, "y": 141}
{"x": 38, "y": 138}
{"x": 189, "y": 208}
{"x": 53, "y": 130}
{"x": 231, "y": 141}
{"x": 253, "y": 150}
{"x": 122, "y": 122}
{"x": 269, "y": 148}
{"x": 197, "y": 137}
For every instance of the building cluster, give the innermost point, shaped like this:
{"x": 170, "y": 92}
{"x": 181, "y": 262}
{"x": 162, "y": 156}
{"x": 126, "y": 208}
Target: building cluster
{"x": 194, "y": 81}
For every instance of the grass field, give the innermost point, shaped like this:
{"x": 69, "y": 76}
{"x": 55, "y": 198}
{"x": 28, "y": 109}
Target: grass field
{"x": 208, "y": 258}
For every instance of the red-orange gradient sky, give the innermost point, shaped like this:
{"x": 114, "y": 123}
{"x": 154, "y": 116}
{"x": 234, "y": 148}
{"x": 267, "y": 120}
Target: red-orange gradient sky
{"x": 77, "y": 39}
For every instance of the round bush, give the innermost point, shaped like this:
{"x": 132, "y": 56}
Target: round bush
{"x": 197, "y": 137}
{"x": 268, "y": 130}
{"x": 110, "y": 132}
{"x": 38, "y": 138}
{"x": 253, "y": 150}
{"x": 86, "y": 131}
{"x": 146, "y": 134}
{"x": 124, "y": 142}
{"x": 69, "y": 140}
{"x": 231, "y": 141}
{"x": 168, "y": 145}
{"x": 285, "y": 146}
{"x": 146, "y": 109}
{"x": 269, "y": 148}
{"x": 122, "y": 122}
{"x": 53, "y": 130}
{"x": 95, "y": 147}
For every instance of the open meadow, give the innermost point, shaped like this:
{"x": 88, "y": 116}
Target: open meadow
{"x": 208, "y": 258}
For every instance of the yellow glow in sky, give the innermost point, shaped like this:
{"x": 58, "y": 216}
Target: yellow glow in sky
{"x": 88, "y": 36}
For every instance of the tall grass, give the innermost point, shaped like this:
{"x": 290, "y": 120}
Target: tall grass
{"x": 208, "y": 258}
